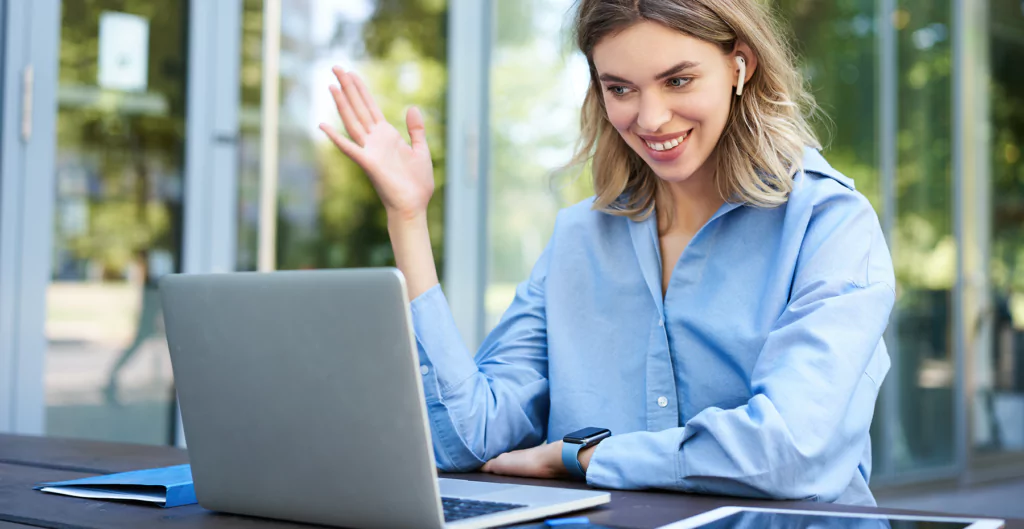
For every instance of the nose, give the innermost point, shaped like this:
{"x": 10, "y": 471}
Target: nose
{"x": 653, "y": 113}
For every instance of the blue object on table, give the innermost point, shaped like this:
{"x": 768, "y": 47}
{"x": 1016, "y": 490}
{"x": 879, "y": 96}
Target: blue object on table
{"x": 579, "y": 520}
{"x": 166, "y": 487}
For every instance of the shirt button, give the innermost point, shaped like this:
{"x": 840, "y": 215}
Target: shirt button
{"x": 662, "y": 401}
{"x": 661, "y": 323}
{"x": 424, "y": 369}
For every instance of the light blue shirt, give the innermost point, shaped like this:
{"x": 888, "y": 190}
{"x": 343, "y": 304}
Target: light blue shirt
{"x": 756, "y": 375}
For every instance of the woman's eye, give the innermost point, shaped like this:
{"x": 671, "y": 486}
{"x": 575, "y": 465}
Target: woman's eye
{"x": 618, "y": 90}
{"x": 678, "y": 82}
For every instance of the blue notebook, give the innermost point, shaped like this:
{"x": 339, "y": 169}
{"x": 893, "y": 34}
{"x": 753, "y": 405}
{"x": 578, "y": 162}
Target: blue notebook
{"x": 166, "y": 487}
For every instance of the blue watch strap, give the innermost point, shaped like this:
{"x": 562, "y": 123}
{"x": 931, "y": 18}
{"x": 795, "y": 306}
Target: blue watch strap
{"x": 570, "y": 458}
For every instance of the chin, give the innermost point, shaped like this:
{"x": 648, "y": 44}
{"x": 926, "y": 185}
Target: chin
{"x": 674, "y": 176}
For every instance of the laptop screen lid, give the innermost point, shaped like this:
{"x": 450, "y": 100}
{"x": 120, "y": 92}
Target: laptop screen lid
{"x": 301, "y": 397}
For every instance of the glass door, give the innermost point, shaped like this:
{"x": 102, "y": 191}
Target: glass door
{"x": 117, "y": 225}
{"x": 998, "y": 425}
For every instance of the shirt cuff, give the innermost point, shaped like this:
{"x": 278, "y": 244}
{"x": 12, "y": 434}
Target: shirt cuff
{"x": 638, "y": 460}
{"x": 442, "y": 353}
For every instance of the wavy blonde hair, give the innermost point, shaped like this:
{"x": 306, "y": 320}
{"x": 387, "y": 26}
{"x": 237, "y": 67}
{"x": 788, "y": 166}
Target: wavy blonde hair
{"x": 761, "y": 147}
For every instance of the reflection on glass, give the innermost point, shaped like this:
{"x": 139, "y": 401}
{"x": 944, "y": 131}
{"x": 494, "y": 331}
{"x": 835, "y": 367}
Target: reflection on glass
{"x": 537, "y": 86}
{"x": 328, "y": 213}
{"x": 838, "y": 56}
{"x": 999, "y": 369}
{"x": 120, "y": 147}
{"x": 758, "y": 520}
{"x": 923, "y": 241}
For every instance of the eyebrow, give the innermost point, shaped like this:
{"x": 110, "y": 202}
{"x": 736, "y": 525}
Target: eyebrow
{"x": 685, "y": 65}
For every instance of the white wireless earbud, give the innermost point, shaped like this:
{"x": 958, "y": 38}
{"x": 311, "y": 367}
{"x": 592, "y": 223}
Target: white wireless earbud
{"x": 743, "y": 75}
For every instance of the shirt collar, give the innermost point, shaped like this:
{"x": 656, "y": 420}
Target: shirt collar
{"x": 645, "y": 233}
{"x": 814, "y": 162}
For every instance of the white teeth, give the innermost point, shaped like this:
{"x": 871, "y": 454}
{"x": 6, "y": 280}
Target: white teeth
{"x": 668, "y": 144}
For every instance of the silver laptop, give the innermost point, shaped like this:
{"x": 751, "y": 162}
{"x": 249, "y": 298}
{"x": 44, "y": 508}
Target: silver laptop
{"x": 301, "y": 400}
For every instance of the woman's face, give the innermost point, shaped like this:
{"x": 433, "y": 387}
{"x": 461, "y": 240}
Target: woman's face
{"x": 668, "y": 95}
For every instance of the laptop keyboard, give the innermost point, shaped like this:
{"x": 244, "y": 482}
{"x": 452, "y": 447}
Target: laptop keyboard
{"x": 459, "y": 509}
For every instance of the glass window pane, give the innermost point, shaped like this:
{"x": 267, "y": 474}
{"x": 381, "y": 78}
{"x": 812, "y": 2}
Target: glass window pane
{"x": 923, "y": 243}
{"x": 999, "y": 368}
{"x": 328, "y": 213}
{"x": 837, "y": 47}
{"x": 537, "y": 86}
{"x": 118, "y": 207}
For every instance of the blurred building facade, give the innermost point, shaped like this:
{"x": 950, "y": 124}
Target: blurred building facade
{"x": 133, "y": 145}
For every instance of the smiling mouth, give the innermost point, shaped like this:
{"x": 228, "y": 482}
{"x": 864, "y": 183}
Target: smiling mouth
{"x": 668, "y": 145}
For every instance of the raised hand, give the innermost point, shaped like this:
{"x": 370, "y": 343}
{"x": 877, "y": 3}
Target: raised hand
{"x": 402, "y": 174}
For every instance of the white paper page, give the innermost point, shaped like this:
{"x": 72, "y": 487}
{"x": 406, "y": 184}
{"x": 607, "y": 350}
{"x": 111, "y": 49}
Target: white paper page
{"x": 106, "y": 494}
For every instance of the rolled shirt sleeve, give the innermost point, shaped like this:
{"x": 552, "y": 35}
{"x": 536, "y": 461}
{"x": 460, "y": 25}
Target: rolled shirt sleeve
{"x": 480, "y": 408}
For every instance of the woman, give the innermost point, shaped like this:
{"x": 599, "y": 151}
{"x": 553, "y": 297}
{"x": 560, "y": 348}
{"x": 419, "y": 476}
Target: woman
{"x": 718, "y": 305}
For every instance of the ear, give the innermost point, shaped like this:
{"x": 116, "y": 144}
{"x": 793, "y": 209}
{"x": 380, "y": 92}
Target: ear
{"x": 741, "y": 49}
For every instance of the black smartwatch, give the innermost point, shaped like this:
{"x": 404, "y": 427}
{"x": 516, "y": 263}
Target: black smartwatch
{"x": 576, "y": 441}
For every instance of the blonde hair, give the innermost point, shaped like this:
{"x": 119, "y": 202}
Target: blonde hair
{"x": 761, "y": 148}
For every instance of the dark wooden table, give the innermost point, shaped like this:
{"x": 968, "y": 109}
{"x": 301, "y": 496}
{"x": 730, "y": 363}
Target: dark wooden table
{"x": 26, "y": 461}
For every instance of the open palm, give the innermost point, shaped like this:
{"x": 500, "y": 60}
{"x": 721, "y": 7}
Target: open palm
{"x": 402, "y": 173}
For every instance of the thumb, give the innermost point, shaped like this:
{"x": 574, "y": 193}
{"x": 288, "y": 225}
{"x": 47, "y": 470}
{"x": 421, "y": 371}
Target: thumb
{"x": 417, "y": 132}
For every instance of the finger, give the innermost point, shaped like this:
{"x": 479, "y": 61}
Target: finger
{"x": 368, "y": 100}
{"x": 348, "y": 117}
{"x": 347, "y": 147}
{"x": 356, "y": 101}
{"x": 497, "y": 465}
{"x": 417, "y": 131}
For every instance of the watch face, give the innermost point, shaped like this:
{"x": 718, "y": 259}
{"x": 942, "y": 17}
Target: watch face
{"x": 587, "y": 434}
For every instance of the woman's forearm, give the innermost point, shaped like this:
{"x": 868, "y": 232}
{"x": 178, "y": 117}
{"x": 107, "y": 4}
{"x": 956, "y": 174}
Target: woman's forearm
{"x": 410, "y": 240}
